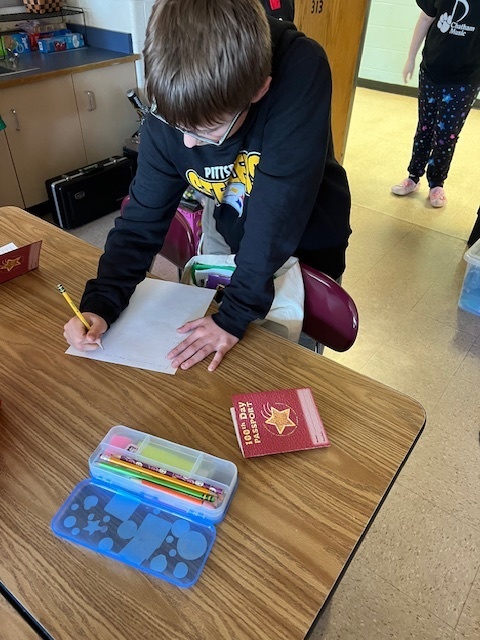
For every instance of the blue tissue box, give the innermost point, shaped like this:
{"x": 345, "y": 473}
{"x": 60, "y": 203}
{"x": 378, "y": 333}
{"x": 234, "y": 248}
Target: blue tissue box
{"x": 61, "y": 43}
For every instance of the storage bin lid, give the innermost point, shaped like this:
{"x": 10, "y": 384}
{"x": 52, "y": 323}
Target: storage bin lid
{"x": 473, "y": 254}
{"x": 125, "y": 527}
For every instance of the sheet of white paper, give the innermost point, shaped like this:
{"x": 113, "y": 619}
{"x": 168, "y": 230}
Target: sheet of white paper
{"x": 147, "y": 330}
{"x": 8, "y": 247}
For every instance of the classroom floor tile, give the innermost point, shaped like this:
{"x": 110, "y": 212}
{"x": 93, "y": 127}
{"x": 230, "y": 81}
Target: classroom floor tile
{"x": 403, "y": 371}
{"x": 432, "y": 342}
{"x": 469, "y": 623}
{"x": 366, "y": 607}
{"x": 419, "y": 548}
{"x": 445, "y": 465}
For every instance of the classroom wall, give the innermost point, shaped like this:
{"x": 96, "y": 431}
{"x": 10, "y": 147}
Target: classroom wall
{"x": 127, "y": 16}
{"x": 5, "y": 4}
{"x": 389, "y": 33}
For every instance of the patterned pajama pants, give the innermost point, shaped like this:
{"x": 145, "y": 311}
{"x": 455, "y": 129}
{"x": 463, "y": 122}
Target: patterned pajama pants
{"x": 442, "y": 111}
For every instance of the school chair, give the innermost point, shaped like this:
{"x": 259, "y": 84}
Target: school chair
{"x": 179, "y": 243}
{"x": 330, "y": 314}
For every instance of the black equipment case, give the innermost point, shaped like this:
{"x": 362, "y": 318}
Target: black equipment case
{"x": 89, "y": 193}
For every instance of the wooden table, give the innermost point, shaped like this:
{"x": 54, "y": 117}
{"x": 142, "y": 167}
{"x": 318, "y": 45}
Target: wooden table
{"x": 294, "y": 521}
{"x": 14, "y": 626}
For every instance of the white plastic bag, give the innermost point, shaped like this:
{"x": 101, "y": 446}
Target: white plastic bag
{"x": 286, "y": 313}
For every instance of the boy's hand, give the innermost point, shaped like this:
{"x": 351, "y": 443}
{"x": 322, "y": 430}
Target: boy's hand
{"x": 206, "y": 338}
{"x": 77, "y": 336}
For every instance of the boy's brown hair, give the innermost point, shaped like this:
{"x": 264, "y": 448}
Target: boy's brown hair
{"x": 205, "y": 59}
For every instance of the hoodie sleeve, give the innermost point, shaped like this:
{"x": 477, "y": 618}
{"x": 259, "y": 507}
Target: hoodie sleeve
{"x": 139, "y": 233}
{"x": 287, "y": 181}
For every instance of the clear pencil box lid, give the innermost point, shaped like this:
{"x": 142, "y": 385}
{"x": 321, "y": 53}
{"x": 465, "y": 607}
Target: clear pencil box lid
{"x": 150, "y": 503}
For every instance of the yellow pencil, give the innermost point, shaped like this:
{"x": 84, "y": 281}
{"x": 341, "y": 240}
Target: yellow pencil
{"x": 75, "y": 309}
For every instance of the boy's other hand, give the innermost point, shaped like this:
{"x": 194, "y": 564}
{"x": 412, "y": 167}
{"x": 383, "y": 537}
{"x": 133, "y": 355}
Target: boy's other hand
{"x": 76, "y": 334}
{"x": 206, "y": 338}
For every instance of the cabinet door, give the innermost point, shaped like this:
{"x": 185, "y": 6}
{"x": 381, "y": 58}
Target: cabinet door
{"x": 339, "y": 26}
{"x": 106, "y": 115}
{"x": 9, "y": 188}
{"x": 43, "y": 132}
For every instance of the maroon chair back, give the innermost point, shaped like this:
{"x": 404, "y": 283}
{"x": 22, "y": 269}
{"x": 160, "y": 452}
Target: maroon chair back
{"x": 179, "y": 244}
{"x": 330, "y": 314}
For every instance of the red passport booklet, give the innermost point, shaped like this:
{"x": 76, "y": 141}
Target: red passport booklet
{"x": 18, "y": 261}
{"x": 279, "y": 421}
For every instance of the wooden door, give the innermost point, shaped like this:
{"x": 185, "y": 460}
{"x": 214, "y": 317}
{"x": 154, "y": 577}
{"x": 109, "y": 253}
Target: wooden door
{"x": 338, "y": 25}
{"x": 43, "y": 132}
{"x": 106, "y": 115}
{"x": 9, "y": 189}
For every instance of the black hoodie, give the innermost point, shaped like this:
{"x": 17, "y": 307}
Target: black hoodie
{"x": 277, "y": 187}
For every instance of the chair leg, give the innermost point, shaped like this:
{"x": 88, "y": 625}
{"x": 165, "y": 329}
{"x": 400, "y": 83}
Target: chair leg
{"x": 319, "y": 347}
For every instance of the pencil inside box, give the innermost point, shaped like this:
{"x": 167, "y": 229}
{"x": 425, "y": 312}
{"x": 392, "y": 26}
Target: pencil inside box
{"x": 165, "y": 472}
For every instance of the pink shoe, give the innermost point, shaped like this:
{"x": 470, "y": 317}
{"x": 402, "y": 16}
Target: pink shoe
{"x": 405, "y": 187}
{"x": 437, "y": 197}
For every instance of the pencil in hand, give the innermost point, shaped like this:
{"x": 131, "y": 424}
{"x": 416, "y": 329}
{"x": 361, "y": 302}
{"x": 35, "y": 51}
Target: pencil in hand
{"x": 75, "y": 309}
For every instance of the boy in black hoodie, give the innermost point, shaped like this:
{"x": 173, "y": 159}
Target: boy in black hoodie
{"x": 241, "y": 112}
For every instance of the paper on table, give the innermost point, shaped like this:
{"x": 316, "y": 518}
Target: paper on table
{"x": 147, "y": 330}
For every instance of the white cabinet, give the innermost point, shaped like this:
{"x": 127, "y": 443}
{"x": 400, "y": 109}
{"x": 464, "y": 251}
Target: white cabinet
{"x": 9, "y": 188}
{"x": 106, "y": 116}
{"x": 63, "y": 123}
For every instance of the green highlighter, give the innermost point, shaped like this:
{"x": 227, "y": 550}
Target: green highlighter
{"x": 168, "y": 458}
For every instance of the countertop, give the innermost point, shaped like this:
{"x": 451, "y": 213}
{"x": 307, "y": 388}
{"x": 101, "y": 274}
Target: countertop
{"x": 49, "y": 65}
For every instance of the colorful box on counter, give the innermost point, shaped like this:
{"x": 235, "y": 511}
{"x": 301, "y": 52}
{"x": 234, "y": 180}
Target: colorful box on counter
{"x": 34, "y": 37}
{"x": 61, "y": 43}
{"x": 15, "y": 41}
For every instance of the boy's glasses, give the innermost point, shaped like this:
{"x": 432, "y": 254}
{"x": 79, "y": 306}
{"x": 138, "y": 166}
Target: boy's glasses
{"x": 197, "y": 136}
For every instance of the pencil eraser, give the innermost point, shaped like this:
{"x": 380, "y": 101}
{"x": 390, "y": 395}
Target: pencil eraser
{"x": 122, "y": 442}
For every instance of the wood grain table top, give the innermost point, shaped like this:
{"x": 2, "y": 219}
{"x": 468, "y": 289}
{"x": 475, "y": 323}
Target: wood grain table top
{"x": 294, "y": 521}
{"x": 14, "y": 626}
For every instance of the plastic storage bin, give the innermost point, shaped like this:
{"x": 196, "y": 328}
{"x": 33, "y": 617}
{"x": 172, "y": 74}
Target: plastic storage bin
{"x": 120, "y": 513}
{"x": 470, "y": 295}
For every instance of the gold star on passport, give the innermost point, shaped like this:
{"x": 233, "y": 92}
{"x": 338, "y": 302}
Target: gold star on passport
{"x": 11, "y": 264}
{"x": 280, "y": 420}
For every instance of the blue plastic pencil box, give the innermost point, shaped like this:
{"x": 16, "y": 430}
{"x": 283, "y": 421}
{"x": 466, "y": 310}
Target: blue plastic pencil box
{"x": 150, "y": 503}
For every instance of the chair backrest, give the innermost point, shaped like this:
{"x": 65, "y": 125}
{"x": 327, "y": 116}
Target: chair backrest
{"x": 330, "y": 314}
{"x": 179, "y": 244}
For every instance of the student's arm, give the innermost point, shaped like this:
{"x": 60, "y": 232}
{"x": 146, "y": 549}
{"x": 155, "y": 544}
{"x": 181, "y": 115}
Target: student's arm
{"x": 287, "y": 181}
{"x": 419, "y": 35}
{"x": 139, "y": 233}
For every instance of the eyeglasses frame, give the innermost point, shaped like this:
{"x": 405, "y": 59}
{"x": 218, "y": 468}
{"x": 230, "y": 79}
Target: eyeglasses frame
{"x": 196, "y": 136}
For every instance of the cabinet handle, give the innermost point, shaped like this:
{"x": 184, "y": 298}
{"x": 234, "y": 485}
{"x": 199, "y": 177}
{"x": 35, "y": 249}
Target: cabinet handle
{"x": 17, "y": 121}
{"x": 92, "y": 105}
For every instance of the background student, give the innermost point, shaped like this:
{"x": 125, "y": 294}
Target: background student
{"x": 449, "y": 82}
